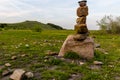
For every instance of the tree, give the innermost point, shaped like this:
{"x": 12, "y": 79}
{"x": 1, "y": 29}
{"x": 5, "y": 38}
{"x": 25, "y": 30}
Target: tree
{"x": 109, "y": 24}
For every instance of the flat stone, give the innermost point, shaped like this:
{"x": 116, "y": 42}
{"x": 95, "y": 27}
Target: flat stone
{"x": 98, "y": 63}
{"x": 81, "y": 63}
{"x": 51, "y": 53}
{"x": 83, "y": 48}
{"x": 117, "y": 78}
{"x": 95, "y": 67}
{"x": 6, "y": 72}
{"x": 80, "y": 37}
{"x": 23, "y": 55}
{"x": 14, "y": 57}
{"x": 7, "y": 64}
{"x": 29, "y": 75}
{"x": 17, "y": 74}
{"x": 76, "y": 77}
{"x": 2, "y": 67}
{"x": 97, "y": 45}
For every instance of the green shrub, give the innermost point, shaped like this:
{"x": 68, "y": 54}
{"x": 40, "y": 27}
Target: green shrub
{"x": 55, "y": 26}
{"x": 54, "y": 74}
{"x": 1, "y": 29}
{"x": 54, "y": 61}
{"x": 72, "y": 55}
{"x": 37, "y": 28}
{"x": 109, "y": 24}
{"x": 100, "y": 56}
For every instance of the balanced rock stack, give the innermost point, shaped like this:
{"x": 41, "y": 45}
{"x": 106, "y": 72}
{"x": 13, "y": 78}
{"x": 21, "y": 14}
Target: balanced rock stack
{"x": 82, "y": 12}
{"x": 79, "y": 43}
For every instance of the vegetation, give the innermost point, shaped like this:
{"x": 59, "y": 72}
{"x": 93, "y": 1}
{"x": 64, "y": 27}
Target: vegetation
{"x": 55, "y": 26}
{"x": 109, "y": 24}
{"x": 27, "y": 25}
{"x": 36, "y": 28}
{"x": 35, "y": 45}
{"x": 72, "y": 55}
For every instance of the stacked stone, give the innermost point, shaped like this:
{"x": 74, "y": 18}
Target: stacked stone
{"x": 82, "y": 12}
{"x": 79, "y": 43}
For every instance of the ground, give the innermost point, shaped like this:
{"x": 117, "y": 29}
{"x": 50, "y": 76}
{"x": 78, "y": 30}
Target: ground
{"x": 35, "y": 45}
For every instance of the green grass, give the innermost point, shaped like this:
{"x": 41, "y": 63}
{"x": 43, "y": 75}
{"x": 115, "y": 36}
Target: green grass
{"x": 35, "y": 45}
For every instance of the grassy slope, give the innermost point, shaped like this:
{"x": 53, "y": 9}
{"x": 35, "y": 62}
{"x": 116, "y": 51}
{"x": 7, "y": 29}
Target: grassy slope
{"x": 13, "y": 43}
{"x": 31, "y": 24}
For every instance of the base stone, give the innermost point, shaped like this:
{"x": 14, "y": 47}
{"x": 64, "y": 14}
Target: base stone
{"x": 84, "y": 48}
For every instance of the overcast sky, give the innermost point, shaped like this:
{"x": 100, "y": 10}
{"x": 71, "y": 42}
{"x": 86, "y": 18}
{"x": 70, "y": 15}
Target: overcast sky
{"x": 60, "y": 12}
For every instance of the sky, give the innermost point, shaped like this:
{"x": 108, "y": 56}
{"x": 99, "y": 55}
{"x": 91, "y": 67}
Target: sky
{"x": 59, "y": 12}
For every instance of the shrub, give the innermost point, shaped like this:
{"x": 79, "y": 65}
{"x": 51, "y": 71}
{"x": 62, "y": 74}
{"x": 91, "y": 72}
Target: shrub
{"x": 109, "y": 24}
{"x": 1, "y": 29}
{"x": 72, "y": 55}
{"x": 53, "y": 61}
{"x": 55, "y": 26}
{"x": 36, "y": 28}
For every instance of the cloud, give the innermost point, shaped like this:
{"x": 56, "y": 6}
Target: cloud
{"x": 56, "y": 11}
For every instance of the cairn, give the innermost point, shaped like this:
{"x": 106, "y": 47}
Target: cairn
{"x": 81, "y": 26}
{"x": 79, "y": 43}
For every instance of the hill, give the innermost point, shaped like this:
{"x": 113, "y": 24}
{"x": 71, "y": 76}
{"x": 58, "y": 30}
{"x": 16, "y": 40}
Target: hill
{"x": 30, "y": 25}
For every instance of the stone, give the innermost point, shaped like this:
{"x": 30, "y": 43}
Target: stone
{"x": 80, "y": 37}
{"x": 97, "y": 45}
{"x": 95, "y": 67}
{"x": 82, "y": 11}
{"x": 81, "y": 63}
{"x": 14, "y": 57}
{"x": 7, "y": 64}
{"x": 83, "y": 48}
{"x": 6, "y": 72}
{"x": 2, "y": 67}
{"x": 29, "y": 74}
{"x": 74, "y": 76}
{"x": 102, "y": 50}
{"x": 27, "y": 45}
{"x": 117, "y": 77}
{"x": 23, "y": 55}
{"x": 51, "y": 53}
{"x": 17, "y": 74}
{"x": 81, "y": 28}
{"x": 98, "y": 63}
{"x": 81, "y": 20}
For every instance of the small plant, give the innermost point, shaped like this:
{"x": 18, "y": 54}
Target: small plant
{"x": 54, "y": 61}
{"x": 72, "y": 55}
{"x": 1, "y": 29}
{"x": 36, "y": 28}
{"x": 100, "y": 56}
{"x": 54, "y": 74}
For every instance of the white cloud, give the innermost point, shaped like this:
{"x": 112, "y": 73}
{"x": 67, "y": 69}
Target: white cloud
{"x": 59, "y": 12}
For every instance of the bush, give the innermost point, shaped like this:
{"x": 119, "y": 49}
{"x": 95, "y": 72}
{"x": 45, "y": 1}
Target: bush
{"x": 1, "y": 29}
{"x": 36, "y": 28}
{"x": 109, "y": 24}
{"x": 72, "y": 55}
{"x": 55, "y": 26}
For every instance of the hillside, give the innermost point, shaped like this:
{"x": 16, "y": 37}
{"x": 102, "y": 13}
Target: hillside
{"x": 29, "y": 25}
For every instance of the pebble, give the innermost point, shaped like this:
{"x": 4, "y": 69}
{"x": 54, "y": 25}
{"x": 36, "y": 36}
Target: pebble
{"x": 14, "y": 57}
{"x": 81, "y": 63}
{"x": 98, "y": 63}
{"x": 6, "y": 72}
{"x": 7, "y": 64}
{"x": 29, "y": 75}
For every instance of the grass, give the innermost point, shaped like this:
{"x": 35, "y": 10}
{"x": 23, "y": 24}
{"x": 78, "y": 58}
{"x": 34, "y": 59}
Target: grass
{"x": 35, "y": 45}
